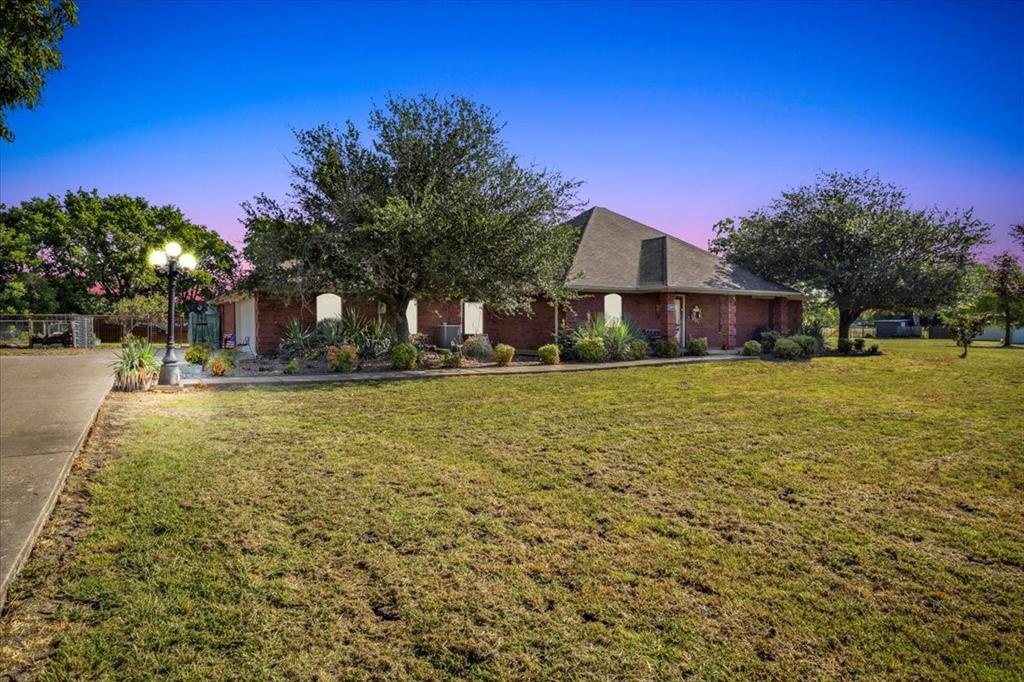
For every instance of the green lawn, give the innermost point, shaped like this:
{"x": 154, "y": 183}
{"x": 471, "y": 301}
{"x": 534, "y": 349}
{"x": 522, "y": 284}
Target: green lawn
{"x": 848, "y": 517}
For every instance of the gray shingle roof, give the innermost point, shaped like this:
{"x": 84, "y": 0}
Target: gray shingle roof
{"x": 617, "y": 253}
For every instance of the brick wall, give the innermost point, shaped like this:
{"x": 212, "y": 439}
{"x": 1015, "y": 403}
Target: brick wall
{"x": 644, "y": 310}
{"x": 272, "y": 316}
{"x": 522, "y": 331}
{"x": 751, "y": 313}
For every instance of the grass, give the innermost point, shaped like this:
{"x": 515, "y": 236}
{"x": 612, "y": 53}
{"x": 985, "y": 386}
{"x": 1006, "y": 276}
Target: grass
{"x": 848, "y": 517}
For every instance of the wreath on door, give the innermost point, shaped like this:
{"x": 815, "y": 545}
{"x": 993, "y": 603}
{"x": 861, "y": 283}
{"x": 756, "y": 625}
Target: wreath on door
{"x": 695, "y": 314}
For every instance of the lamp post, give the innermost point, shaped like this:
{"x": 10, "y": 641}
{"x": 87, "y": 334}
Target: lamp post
{"x": 171, "y": 260}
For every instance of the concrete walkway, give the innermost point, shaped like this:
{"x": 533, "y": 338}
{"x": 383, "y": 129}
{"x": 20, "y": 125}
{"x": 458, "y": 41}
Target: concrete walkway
{"x": 47, "y": 406}
{"x": 393, "y": 375}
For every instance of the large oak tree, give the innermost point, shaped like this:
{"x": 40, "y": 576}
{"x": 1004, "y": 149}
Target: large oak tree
{"x": 433, "y": 205}
{"x": 856, "y": 239}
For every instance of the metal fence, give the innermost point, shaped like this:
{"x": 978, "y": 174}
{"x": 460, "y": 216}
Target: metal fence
{"x": 83, "y": 331}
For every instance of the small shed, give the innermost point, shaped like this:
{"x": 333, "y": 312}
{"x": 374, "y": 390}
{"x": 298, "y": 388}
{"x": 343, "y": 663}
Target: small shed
{"x": 897, "y": 329}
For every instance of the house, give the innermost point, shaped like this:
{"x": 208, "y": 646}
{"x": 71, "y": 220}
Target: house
{"x": 622, "y": 268}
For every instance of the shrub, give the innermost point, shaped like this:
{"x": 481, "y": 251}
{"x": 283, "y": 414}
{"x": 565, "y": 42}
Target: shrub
{"x": 615, "y": 333}
{"x": 751, "y": 348}
{"x": 450, "y": 359}
{"x": 136, "y": 365}
{"x": 844, "y": 345}
{"x": 478, "y": 348}
{"x": 637, "y": 349}
{"x": 230, "y": 356}
{"x": 503, "y": 354}
{"x": 589, "y": 349}
{"x": 219, "y": 365}
{"x": 548, "y": 354}
{"x": 816, "y": 329}
{"x": 788, "y": 349}
{"x": 808, "y": 344}
{"x": 697, "y": 345}
{"x": 292, "y": 367}
{"x": 297, "y": 340}
{"x": 198, "y": 354}
{"x": 344, "y": 358}
{"x": 403, "y": 356}
{"x": 858, "y": 344}
{"x": 874, "y": 348}
{"x": 666, "y": 348}
{"x": 769, "y": 339}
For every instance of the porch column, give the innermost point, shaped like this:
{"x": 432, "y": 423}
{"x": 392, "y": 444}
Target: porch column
{"x": 667, "y": 315}
{"x": 730, "y": 322}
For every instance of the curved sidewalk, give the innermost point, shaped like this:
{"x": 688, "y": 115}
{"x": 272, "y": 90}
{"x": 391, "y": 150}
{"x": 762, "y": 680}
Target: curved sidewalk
{"x": 47, "y": 406}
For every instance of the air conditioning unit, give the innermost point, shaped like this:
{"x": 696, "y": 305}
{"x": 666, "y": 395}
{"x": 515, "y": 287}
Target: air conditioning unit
{"x": 447, "y": 333}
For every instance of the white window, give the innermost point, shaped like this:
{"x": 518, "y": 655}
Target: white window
{"x": 328, "y": 305}
{"x": 412, "y": 315}
{"x": 472, "y": 318}
{"x": 612, "y": 307}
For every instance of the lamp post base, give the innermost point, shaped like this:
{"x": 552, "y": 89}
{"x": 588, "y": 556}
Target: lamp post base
{"x": 170, "y": 370}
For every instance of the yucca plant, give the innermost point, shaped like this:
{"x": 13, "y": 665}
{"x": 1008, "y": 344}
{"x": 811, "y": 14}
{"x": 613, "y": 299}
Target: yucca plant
{"x": 136, "y": 365}
{"x": 330, "y": 332}
{"x": 353, "y": 327}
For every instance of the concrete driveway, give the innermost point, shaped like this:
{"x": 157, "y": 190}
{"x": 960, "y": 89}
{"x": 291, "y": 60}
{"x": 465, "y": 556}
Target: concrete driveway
{"x": 47, "y": 405}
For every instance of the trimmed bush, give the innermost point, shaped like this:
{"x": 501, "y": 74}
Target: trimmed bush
{"x": 769, "y": 339}
{"x": 218, "y": 365}
{"x": 751, "y": 348}
{"x": 788, "y": 349}
{"x": 403, "y": 356}
{"x": 808, "y": 344}
{"x": 344, "y": 358}
{"x": 589, "y": 349}
{"x": 548, "y": 354}
{"x": 844, "y": 345}
{"x": 666, "y": 348}
{"x": 198, "y": 354}
{"x": 697, "y": 345}
{"x": 503, "y": 354}
{"x": 637, "y": 349}
{"x": 858, "y": 344}
{"x": 478, "y": 348}
{"x": 451, "y": 360}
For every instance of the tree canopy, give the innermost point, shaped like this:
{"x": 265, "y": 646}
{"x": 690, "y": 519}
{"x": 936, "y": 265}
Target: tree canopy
{"x": 30, "y": 32}
{"x": 856, "y": 239}
{"x": 84, "y": 252}
{"x": 1004, "y": 299}
{"x": 432, "y": 206}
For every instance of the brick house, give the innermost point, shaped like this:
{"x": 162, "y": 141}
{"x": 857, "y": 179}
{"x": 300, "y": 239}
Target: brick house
{"x": 622, "y": 268}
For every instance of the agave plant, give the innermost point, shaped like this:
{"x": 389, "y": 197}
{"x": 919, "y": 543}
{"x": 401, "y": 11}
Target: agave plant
{"x": 297, "y": 340}
{"x": 377, "y": 339}
{"x": 330, "y": 332}
{"x": 136, "y": 365}
{"x": 617, "y": 334}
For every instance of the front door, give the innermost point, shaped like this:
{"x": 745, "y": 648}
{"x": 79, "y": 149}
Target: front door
{"x": 681, "y": 320}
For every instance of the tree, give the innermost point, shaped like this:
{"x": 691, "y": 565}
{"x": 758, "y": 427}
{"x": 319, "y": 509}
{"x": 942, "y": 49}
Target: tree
{"x": 854, "y": 238}
{"x": 140, "y": 308}
{"x": 964, "y": 326}
{"x": 1017, "y": 232}
{"x": 30, "y": 32}
{"x": 1005, "y": 279}
{"x": 434, "y": 207}
{"x": 82, "y": 252}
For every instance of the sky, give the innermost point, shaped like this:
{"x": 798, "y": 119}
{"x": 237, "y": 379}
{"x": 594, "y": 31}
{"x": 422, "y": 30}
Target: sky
{"x": 675, "y": 114}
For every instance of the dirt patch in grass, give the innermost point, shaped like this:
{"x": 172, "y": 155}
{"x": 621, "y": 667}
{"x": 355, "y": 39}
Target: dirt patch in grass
{"x": 842, "y": 518}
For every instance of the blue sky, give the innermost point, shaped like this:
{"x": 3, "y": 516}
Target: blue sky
{"x": 674, "y": 114}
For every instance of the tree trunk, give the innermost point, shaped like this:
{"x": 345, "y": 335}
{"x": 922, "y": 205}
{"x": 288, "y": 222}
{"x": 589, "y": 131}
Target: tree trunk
{"x": 401, "y": 321}
{"x": 846, "y": 318}
{"x": 1007, "y": 330}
